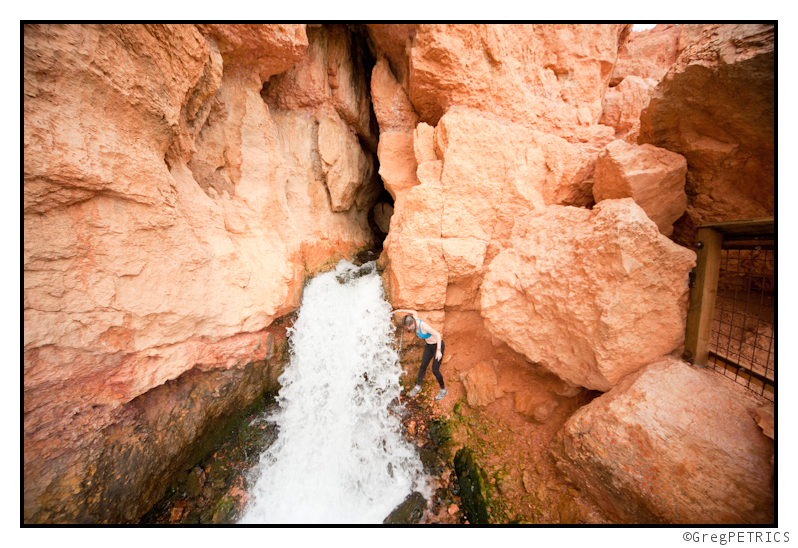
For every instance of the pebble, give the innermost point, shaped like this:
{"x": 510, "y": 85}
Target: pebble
{"x": 453, "y": 509}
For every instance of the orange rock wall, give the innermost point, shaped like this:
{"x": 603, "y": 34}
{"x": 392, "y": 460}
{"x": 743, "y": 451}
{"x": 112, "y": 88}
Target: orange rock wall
{"x": 170, "y": 211}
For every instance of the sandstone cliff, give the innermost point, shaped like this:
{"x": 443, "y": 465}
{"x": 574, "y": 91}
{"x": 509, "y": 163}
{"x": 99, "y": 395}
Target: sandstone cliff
{"x": 171, "y": 215}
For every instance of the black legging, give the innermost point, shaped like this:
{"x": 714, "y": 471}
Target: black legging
{"x": 429, "y": 354}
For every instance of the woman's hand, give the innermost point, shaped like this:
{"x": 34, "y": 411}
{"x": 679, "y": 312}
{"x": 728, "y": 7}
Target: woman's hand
{"x": 438, "y": 354}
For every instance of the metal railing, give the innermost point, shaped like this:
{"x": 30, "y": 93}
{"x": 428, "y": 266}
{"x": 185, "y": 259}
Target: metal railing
{"x": 742, "y": 339}
{"x": 731, "y": 320}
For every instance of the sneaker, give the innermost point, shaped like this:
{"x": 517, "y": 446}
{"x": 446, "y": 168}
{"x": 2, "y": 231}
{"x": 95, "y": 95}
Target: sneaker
{"x": 441, "y": 394}
{"x": 415, "y": 391}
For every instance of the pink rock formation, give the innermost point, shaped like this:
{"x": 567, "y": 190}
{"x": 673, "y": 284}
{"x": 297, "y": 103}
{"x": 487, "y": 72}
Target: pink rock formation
{"x": 648, "y": 54}
{"x": 519, "y": 132}
{"x": 393, "y": 41}
{"x": 590, "y": 295}
{"x": 178, "y": 214}
{"x": 489, "y": 175}
{"x": 382, "y": 216}
{"x": 671, "y": 444}
{"x": 549, "y": 77}
{"x": 391, "y": 105}
{"x": 653, "y": 177}
{"x": 326, "y": 82}
{"x": 716, "y": 108}
{"x": 272, "y": 48}
{"x": 181, "y": 181}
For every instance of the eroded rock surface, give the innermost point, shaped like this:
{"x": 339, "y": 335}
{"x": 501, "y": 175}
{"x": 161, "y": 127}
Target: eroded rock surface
{"x": 181, "y": 181}
{"x": 550, "y": 77}
{"x": 671, "y": 444}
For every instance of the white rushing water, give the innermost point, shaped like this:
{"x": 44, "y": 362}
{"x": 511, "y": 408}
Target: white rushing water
{"x": 339, "y": 456}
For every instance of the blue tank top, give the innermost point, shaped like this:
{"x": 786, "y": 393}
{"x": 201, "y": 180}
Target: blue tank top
{"x": 420, "y": 334}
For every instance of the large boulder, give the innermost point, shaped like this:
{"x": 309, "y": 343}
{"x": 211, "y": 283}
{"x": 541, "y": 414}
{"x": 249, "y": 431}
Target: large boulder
{"x": 653, "y": 177}
{"x": 590, "y": 295}
{"x": 716, "y": 107}
{"x": 671, "y": 444}
{"x": 494, "y": 172}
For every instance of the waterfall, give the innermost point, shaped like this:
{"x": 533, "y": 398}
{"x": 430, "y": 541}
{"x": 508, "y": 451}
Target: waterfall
{"x": 339, "y": 456}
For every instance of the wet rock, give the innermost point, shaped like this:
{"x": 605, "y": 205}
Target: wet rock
{"x": 568, "y": 510}
{"x": 409, "y": 511}
{"x": 223, "y": 512}
{"x": 177, "y": 511}
{"x": 433, "y": 465}
{"x": 470, "y": 482}
{"x": 195, "y": 481}
{"x": 439, "y": 432}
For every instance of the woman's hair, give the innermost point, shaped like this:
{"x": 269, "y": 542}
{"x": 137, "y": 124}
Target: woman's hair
{"x": 408, "y": 321}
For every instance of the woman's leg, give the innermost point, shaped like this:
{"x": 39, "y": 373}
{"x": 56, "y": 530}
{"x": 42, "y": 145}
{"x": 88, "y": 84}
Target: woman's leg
{"x": 436, "y": 365}
{"x": 429, "y": 353}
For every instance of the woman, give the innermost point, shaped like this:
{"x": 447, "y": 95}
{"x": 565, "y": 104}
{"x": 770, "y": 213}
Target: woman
{"x": 435, "y": 347}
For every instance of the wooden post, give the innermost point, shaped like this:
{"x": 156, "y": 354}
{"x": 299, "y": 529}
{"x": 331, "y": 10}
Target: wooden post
{"x": 702, "y": 297}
